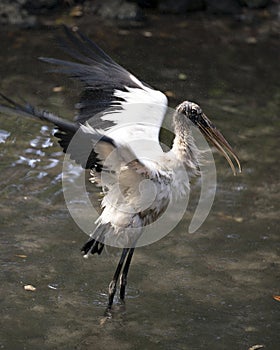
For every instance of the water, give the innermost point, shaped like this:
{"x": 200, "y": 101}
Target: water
{"x": 210, "y": 290}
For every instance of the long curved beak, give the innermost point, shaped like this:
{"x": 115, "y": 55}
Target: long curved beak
{"x": 214, "y": 136}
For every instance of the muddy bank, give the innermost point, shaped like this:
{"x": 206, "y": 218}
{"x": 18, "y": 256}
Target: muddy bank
{"x": 31, "y": 13}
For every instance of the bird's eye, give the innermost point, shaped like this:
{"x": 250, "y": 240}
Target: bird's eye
{"x": 193, "y": 111}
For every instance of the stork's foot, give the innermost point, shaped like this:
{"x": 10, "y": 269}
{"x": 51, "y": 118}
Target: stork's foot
{"x": 125, "y": 260}
{"x": 111, "y": 293}
{"x": 117, "y": 311}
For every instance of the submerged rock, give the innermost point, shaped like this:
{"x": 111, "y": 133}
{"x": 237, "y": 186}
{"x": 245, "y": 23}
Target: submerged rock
{"x": 180, "y": 6}
{"x": 226, "y": 7}
{"x": 13, "y": 13}
{"x": 39, "y": 6}
{"x": 255, "y": 3}
{"x": 127, "y": 14}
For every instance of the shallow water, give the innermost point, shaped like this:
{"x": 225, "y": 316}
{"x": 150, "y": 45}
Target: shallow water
{"x": 209, "y": 290}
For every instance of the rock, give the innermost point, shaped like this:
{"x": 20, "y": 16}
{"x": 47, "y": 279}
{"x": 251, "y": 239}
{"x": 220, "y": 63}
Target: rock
{"x": 227, "y": 7}
{"x": 118, "y": 9}
{"x": 129, "y": 11}
{"x": 180, "y": 6}
{"x": 29, "y": 287}
{"x": 39, "y": 6}
{"x": 147, "y": 3}
{"x": 11, "y": 12}
{"x": 255, "y": 3}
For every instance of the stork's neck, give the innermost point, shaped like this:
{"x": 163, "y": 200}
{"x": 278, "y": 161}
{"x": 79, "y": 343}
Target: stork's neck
{"x": 184, "y": 147}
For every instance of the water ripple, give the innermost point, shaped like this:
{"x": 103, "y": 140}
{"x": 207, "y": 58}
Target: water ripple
{"x": 4, "y": 135}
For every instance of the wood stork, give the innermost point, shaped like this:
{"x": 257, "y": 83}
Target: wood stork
{"x": 113, "y": 106}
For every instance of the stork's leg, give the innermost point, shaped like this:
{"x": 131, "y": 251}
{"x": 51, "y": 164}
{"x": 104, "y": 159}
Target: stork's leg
{"x": 113, "y": 283}
{"x": 123, "y": 279}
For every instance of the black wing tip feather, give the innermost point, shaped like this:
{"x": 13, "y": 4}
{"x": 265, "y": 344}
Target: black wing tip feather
{"x": 7, "y": 99}
{"x": 86, "y": 43}
{"x": 64, "y": 134}
{"x": 25, "y": 109}
{"x": 99, "y": 74}
{"x": 80, "y": 47}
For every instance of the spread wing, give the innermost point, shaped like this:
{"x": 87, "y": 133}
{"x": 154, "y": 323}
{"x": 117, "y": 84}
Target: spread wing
{"x": 111, "y": 97}
{"x": 89, "y": 148}
{"x": 112, "y": 101}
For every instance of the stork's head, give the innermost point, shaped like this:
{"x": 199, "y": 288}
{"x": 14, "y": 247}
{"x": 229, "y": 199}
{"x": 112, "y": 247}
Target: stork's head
{"x": 194, "y": 113}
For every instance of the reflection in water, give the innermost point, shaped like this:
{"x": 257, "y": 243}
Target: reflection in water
{"x": 209, "y": 290}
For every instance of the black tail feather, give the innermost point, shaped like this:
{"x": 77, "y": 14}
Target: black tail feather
{"x": 92, "y": 246}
